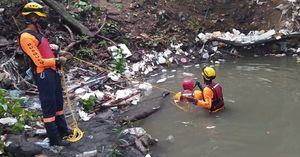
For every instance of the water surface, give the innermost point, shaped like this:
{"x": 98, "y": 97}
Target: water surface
{"x": 261, "y": 117}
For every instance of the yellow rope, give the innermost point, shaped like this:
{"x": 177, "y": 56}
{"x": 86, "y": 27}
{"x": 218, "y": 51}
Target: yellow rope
{"x": 77, "y": 133}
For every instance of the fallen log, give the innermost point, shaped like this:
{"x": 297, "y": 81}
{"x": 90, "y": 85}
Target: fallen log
{"x": 235, "y": 44}
{"x": 140, "y": 116}
{"x": 67, "y": 17}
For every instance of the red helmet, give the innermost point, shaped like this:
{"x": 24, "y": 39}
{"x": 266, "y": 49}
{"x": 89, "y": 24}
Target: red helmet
{"x": 188, "y": 84}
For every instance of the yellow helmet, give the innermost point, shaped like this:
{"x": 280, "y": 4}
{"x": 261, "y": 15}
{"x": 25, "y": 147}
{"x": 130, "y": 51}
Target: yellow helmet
{"x": 33, "y": 8}
{"x": 209, "y": 73}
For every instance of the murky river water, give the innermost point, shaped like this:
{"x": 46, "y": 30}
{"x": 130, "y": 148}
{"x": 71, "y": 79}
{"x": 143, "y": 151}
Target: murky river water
{"x": 261, "y": 117}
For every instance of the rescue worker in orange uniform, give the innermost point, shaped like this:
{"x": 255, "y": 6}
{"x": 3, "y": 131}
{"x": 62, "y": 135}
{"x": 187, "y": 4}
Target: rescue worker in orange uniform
{"x": 212, "y": 94}
{"x": 188, "y": 91}
{"x": 45, "y": 72}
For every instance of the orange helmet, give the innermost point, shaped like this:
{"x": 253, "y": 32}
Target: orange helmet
{"x": 188, "y": 84}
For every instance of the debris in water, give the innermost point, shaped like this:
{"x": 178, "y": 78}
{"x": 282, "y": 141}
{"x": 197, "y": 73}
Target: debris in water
{"x": 210, "y": 127}
{"x": 161, "y": 80}
{"x": 171, "y": 76}
{"x": 187, "y": 74}
{"x": 170, "y": 139}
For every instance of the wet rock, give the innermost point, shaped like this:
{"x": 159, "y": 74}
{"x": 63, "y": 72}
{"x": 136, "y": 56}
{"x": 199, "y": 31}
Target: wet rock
{"x": 20, "y": 147}
{"x": 132, "y": 152}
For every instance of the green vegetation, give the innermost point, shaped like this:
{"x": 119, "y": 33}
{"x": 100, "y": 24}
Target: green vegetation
{"x": 109, "y": 28}
{"x": 119, "y": 6}
{"x": 83, "y": 5}
{"x": 11, "y": 107}
{"x": 85, "y": 52}
{"x": 119, "y": 62}
{"x": 89, "y": 104}
{"x": 115, "y": 152}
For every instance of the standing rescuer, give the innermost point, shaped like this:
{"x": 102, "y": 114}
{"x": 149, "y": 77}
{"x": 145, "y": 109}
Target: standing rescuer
{"x": 44, "y": 66}
{"x": 211, "y": 97}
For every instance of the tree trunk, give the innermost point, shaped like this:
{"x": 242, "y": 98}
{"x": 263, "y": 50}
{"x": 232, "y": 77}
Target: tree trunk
{"x": 67, "y": 17}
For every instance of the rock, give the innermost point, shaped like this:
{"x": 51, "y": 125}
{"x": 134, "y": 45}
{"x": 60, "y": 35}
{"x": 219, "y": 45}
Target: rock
{"x": 132, "y": 152}
{"x": 147, "y": 140}
{"x": 20, "y": 147}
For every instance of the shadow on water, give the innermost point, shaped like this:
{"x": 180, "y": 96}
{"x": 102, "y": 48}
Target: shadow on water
{"x": 261, "y": 116}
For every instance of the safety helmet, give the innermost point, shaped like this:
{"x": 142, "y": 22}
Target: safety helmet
{"x": 209, "y": 73}
{"x": 33, "y": 8}
{"x": 188, "y": 84}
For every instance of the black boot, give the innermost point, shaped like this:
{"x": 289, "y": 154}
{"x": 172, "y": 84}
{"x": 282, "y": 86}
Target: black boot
{"x": 54, "y": 136}
{"x": 62, "y": 126}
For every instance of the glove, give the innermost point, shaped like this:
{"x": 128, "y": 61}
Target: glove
{"x": 66, "y": 54}
{"x": 199, "y": 85}
{"x": 61, "y": 61}
{"x": 192, "y": 100}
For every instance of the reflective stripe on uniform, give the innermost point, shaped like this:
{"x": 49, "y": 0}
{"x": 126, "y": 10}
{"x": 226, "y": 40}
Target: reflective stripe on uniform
{"x": 48, "y": 120}
{"x": 59, "y": 113}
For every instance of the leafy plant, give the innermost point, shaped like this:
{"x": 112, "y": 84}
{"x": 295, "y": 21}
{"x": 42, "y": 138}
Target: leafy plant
{"x": 103, "y": 43}
{"x": 86, "y": 53}
{"x": 119, "y": 6}
{"x": 110, "y": 28}
{"x": 119, "y": 62}
{"x": 89, "y": 104}
{"x": 83, "y": 5}
{"x": 12, "y": 107}
{"x": 115, "y": 152}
